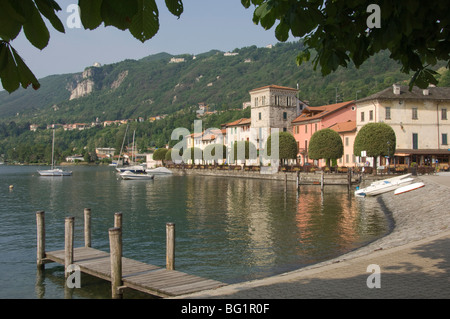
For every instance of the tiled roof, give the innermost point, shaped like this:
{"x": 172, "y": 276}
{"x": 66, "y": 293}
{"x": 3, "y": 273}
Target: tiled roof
{"x": 434, "y": 93}
{"x": 242, "y": 121}
{"x": 274, "y": 87}
{"x": 342, "y": 127}
{"x": 318, "y": 112}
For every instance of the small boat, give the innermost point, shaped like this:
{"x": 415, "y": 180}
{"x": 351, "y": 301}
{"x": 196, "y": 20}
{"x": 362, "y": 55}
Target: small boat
{"x": 136, "y": 176}
{"x": 385, "y": 186}
{"x": 137, "y": 169}
{"x": 159, "y": 171}
{"x": 408, "y": 188}
{"x": 54, "y": 171}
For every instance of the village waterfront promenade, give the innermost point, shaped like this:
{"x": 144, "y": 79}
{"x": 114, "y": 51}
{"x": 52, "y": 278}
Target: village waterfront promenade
{"x": 414, "y": 259}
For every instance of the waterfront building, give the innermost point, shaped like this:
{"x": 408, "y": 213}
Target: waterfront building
{"x": 347, "y": 132}
{"x": 314, "y": 118}
{"x": 273, "y": 108}
{"x": 419, "y": 118}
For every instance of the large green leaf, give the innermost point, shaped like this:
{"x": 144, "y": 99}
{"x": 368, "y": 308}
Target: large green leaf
{"x": 175, "y": 7}
{"x": 48, "y": 8}
{"x": 145, "y": 23}
{"x": 35, "y": 29}
{"x": 90, "y": 13}
{"x": 119, "y": 13}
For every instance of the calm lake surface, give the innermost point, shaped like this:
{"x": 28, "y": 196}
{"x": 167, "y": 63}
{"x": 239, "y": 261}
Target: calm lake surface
{"x": 227, "y": 229}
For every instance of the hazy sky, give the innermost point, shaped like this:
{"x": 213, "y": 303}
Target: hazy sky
{"x": 203, "y": 26}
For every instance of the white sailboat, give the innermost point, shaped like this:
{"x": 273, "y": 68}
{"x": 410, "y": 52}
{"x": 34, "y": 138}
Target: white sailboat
{"x": 129, "y": 168}
{"x": 54, "y": 171}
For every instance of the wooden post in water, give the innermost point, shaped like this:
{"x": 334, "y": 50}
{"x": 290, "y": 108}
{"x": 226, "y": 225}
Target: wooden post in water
{"x": 297, "y": 184}
{"x": 170, "y": 246}
{"x": 115, "y": 243}
{"x": 40, "y": 225}
{"x": 118, "y": 220}
{"x": 322, "y": 180}
{"x": 68, "y": 244}
{"x": 349, "y": 179}
{"x": 87, "y": 227}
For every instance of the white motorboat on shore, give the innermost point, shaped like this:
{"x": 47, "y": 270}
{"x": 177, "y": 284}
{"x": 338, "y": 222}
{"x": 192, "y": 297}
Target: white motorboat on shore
{"x": 136, "y": 176}
{"x": 383, "y": 186}
{"x": 408, "y": 188}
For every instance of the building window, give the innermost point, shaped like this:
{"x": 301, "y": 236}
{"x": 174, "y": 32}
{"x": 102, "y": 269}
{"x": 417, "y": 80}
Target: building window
{"x": 370, "y": 115}
{"x": 306, "y": 128}
{"x": 346, "y": 141}
{"x": 284, "y": 115}
{"x": 263, "y": 100}
{"x": 315, "y": 127}
{"x": 259, "y": 115}
{"x": 415, "y": 141}
{"x": 346, "y": 158}
{"x": 362, "y": 116}
{"x": 444, "y": 139}
{"x": 256, "y": 101}
{"x": 277, "y": 100}
{"x": 414, "y": 113}
{"x": 443, "y": 114}
{"x": 284, "y": 129}
{"x": 388, "y": 113}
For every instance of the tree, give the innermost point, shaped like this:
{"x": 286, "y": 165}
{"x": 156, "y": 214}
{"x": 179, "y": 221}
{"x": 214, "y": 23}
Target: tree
{"x": 139, "y": 17}
{"x": 160, "y": 154}
{"x": 377, "y": 139}
{"x": 243, "y": 150}
{"x": 287, "y": 145}
{"x": 209, "y": 153}
{"x": 416, "y": 33}
{"x": 325, "y": 144}
{"x": 193, "y": 153}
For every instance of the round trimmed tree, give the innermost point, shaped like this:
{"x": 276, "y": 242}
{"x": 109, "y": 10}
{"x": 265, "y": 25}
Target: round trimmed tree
{"x": 377, "y": 139}
{"x": 287, "y": 145}
{"x": 325, "y": 144}
{"x": 243, "y": 150}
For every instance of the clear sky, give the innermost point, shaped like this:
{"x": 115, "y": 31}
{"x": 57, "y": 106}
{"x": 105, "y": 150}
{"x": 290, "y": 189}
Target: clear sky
{"x": 203, "y": 26}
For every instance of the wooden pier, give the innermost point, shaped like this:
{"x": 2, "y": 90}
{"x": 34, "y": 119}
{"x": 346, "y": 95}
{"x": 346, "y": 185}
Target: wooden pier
{"x": 122, "y": 272}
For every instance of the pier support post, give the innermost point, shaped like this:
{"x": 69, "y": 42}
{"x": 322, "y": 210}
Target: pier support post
{"x": 40, "y": 225}
{"x": 87, "y": 227}
{"x": 68, "y": 244}
{"x": 118, "y": 220}
{"x": 170, "y": 246}
{"x": 115, "y": 243}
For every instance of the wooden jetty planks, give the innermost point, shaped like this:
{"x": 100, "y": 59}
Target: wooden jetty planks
{"x": 136, "y": 275}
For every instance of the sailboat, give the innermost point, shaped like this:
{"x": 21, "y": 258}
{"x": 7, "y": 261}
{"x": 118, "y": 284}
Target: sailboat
{"x": 138, "y": 169}
{"x": 54, "y": 171}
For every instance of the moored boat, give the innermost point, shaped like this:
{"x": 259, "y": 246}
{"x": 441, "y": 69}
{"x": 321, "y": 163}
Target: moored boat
{"x": 136, "y": 176}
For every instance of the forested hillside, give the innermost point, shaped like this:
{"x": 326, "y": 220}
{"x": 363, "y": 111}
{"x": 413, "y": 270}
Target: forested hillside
{"x": 154, "y": 86}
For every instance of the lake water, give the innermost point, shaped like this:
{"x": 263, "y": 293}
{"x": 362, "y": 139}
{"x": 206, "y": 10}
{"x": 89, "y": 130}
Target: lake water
{"x": 227, "y": 229}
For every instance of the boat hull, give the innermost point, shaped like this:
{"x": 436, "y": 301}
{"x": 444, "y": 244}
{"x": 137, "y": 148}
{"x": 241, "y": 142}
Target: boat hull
{"x": 133, "y": 176}
{"x": 54, "y": 172}
{"x": 408, "y": 188}
{"x": 384, "y": 187}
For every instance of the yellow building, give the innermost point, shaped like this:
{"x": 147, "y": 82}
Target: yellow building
{"x": 419, "y": 118}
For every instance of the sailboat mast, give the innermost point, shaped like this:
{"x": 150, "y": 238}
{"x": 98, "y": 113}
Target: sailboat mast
{"x": 53, "y": 148}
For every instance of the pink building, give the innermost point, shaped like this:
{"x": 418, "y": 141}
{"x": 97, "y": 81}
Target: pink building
{"x": 314, "y": 118}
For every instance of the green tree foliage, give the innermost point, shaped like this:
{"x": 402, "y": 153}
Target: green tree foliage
{"x": 139, "y": 17}
{"x": 160, "y": 154}
{"x": 287, "y": 145}
{"x": 414, "y": 32}
{"x": 377, "y": 139}
{"x": 325, "y": 144}
{"x": 209, "y": 152}
{"x": 243, "y": 150}
{"x": 194, "y": 154}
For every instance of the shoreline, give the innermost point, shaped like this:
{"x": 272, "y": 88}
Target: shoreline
{"x": 418, "y": 219}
